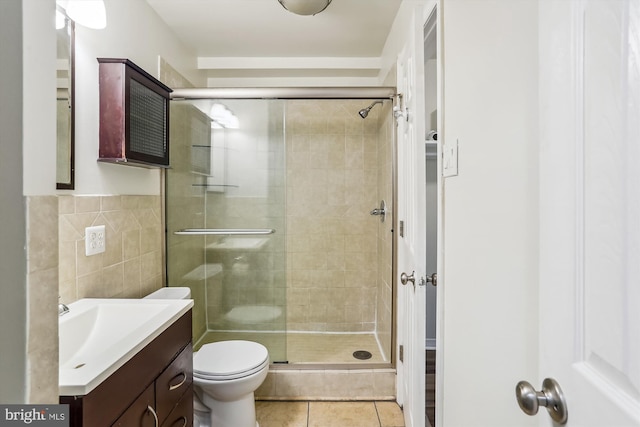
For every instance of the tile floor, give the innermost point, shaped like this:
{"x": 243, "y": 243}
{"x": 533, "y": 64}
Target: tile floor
{"x": 328, "y": 414}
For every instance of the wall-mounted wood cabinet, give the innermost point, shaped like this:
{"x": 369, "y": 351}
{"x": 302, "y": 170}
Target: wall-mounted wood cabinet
{"x": 134, "y": 115}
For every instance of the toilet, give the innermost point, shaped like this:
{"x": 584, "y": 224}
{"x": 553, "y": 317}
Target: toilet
{"x": 173, "y": 292}
{"x": 225, "y": 376}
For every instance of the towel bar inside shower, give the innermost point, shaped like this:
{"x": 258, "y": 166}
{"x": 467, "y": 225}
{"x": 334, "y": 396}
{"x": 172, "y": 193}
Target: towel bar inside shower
{"x": 225, "y": 231}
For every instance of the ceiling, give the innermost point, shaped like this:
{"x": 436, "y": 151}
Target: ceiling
{"x": 244, "y": 40}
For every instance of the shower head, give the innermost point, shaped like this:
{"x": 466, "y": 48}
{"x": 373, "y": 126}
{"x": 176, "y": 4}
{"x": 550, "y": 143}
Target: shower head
{"x": 365, "y": 111}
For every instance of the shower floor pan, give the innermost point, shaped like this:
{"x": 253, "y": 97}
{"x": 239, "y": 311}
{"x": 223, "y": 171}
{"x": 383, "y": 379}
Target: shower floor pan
{"x": 306, "y": 348}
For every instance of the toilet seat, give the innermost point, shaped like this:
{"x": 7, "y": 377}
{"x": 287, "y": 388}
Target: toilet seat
{"x": 229, "y": 360}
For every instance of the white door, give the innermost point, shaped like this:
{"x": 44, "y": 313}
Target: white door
{"x": 411, "y": 229}
{"x": 590, "y": 208}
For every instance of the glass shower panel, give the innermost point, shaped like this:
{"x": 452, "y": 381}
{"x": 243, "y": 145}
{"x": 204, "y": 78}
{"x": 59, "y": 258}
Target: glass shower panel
{"x": 280, "y": 245}
{"x": 228, "y": 175}
{"x": 339, "y": 256}
{"x": 185, "y": 208}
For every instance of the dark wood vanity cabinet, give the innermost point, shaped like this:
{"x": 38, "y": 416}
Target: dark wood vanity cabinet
{"x": 154, "y": 388}
{"x": 134, "y": 115}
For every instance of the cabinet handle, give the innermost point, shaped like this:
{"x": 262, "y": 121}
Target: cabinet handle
{"x": 183, "y": 419}
{"x": 175, "y": 386}
{"x": 153, "y": 412}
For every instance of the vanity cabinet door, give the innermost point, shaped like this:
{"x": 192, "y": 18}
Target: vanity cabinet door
{"x": 141, "y": 412}
{"x": 173, "y": 382}
{"x": 182, "y": 414}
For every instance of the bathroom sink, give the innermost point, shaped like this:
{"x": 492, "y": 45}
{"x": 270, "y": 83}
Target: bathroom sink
{"x": 98, "y": 336}
{"x": 239, "y": 243}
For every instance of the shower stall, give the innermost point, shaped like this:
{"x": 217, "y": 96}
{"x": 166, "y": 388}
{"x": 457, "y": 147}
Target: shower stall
{"x": 274, "y": 220}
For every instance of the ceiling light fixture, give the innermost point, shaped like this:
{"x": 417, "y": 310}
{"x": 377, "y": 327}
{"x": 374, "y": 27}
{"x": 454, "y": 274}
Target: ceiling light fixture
{"x": 305, "y": 7}
{"x": 88, "y": 13}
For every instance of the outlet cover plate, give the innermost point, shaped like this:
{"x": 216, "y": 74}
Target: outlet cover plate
{"x": 95, "y": 240}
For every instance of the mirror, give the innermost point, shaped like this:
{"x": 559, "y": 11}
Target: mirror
{"x": 64, "y": 101}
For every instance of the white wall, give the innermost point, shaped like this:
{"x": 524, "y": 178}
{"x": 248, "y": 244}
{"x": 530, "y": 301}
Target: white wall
{"x": 13, "y": 327}
{"x": 134, "y": 31}
{"x": 39, "y": 97}
{"x": 398, "y": 36}
{"x": 490, "y": 225}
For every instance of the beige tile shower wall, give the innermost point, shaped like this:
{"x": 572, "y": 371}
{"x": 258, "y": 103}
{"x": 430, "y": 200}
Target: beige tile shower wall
{"x": 131, "y": 266}
{"x": 332, "y": 184}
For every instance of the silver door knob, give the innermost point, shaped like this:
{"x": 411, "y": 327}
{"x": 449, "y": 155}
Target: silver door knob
{"x": 433, "y": 279}
{"x": 404, "y": 278}
{"x": 550, "y": 396}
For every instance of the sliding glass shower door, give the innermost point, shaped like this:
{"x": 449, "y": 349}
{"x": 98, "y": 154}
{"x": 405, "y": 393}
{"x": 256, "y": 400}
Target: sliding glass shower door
{"x": 225, "y": 211}
{"x": 273, "y": 221}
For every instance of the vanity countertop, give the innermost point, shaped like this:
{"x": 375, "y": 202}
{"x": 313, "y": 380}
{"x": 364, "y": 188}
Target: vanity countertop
{"x": 98, "y": 336}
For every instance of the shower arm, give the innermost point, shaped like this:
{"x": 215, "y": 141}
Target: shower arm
{"x": 225, "y": 231}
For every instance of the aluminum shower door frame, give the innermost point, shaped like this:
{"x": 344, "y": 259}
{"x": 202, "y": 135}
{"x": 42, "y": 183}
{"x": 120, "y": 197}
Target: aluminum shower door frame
{"x": 364, "y": 92}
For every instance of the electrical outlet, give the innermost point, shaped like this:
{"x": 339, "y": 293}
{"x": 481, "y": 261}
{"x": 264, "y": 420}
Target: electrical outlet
{"x": 95, "y": 240}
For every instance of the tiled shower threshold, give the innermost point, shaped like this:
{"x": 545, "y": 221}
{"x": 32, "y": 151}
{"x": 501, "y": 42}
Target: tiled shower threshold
{"x": 321, "y": 366}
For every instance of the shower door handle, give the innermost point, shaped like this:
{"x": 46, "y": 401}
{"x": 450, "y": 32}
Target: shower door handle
{"x": 382, "y": 210}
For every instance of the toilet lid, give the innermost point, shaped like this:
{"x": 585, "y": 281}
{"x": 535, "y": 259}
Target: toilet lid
{"x": 229, "y": 358}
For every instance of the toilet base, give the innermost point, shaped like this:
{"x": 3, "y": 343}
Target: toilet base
{"x": 237, "y": 413}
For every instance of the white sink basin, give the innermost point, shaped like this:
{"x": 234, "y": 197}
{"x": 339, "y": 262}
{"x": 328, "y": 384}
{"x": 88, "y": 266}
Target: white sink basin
{"x": 98, "y": 336}
{"x": 239, "y": 243}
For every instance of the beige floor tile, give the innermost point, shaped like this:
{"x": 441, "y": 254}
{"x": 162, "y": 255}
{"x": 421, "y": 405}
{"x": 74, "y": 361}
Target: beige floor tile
{"x": 343, "y": 414}
{"x": 390, "y": 414}
{"x": 282, "y": 414}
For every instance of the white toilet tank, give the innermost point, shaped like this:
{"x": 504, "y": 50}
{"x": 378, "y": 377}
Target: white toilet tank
{"x": 171, "y": 292}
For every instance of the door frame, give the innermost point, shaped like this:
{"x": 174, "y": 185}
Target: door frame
{"x": 439, "y": 383}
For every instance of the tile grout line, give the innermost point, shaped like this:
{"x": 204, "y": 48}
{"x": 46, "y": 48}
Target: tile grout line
{"x": 377, "y": 413}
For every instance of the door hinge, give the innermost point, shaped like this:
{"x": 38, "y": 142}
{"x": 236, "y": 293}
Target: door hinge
{"x": 401, "y": 353}
{"x": 401, "y": 228}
